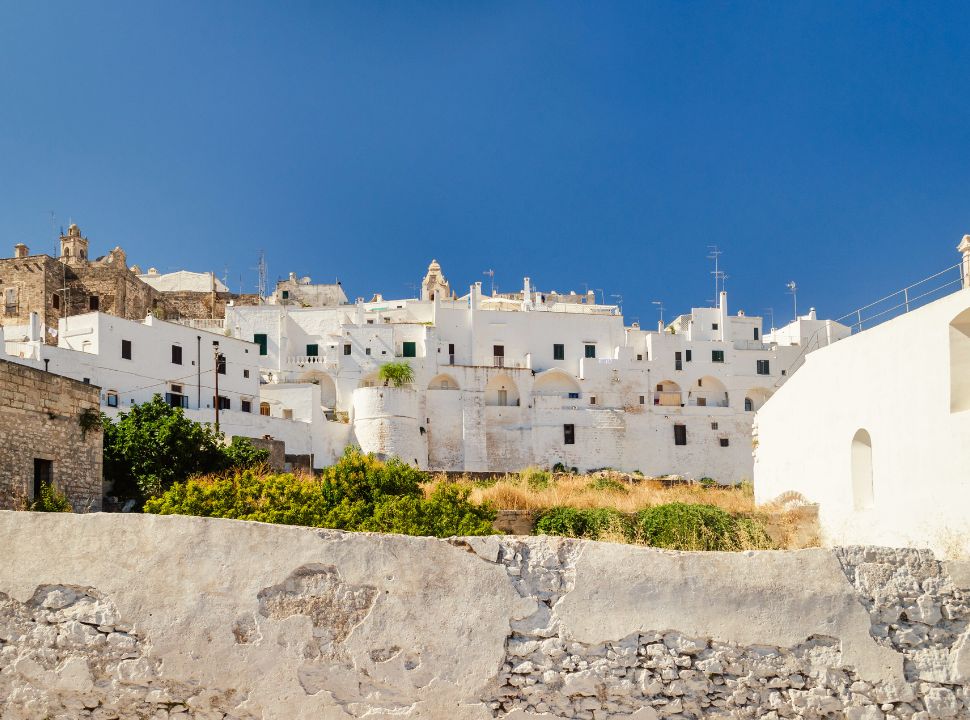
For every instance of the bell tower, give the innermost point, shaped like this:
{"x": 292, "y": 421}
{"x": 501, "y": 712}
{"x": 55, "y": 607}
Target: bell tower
{"x": 434, "y": 284}
{"x": 74, "y": 248}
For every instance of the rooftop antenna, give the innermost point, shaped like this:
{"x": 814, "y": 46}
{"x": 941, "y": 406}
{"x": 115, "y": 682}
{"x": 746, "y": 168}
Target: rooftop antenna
{"x": 413, "y": 287}
{"x": 491, "y": 274}
{"x": 793, "y": 291}
{"x": 771, "y": 318}
{"x": 602, "y": 296}
{"x": 261, "y": 281}
{"x": 660, "y": 307}
{"x": 619, "y": 301}
{"x": 57, "y": 250}
{"x": 719, "y": 276}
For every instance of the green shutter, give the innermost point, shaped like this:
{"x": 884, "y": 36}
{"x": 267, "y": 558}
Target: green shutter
{"x": 260, "y": 339}
{"x": 312, "y": 350}
{"x": 410, "y": 349}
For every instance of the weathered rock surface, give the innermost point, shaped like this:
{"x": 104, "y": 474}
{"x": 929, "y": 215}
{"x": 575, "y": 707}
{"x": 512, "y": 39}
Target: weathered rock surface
{"x": 127, "y": 616}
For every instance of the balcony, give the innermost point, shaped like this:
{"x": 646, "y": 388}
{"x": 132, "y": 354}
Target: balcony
{"x": 498, "y": 361}
{"x": 318, "y": 362}
{"x": 212, "y": 324}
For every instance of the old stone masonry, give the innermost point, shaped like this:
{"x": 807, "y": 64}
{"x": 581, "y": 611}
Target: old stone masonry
{"x": 107, "y": 616}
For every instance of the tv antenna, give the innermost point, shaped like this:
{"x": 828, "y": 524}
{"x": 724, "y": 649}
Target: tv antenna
{"x": 261, "y": 281}
{"x": 491, "y": 275}
{"x": 793, "y": 291}
{"x": 719, "y": 276}
{"x": 619, "y": 301}
{"x": 660, "y": 308}
{"x": 771, "y": 317}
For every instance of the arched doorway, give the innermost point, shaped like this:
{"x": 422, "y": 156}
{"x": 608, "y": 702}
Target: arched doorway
{"x": 501, "y": 391}
{"x": 709, "y": 392}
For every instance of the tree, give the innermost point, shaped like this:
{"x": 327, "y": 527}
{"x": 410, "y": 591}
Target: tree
{"x": 397, "y": 374}
{"x": 154, "y": 445}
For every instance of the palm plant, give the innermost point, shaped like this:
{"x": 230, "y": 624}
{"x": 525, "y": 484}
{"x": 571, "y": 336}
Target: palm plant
{"x": 396, "y": 374}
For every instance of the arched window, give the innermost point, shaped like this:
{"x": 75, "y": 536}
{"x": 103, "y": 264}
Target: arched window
{"x": 862, "y": 490}
{"x": 264, "y": 408}
{"x": 748, "y": 405}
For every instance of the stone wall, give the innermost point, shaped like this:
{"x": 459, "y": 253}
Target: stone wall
{"x": 237, "y": 620}
{"x": 178, "y": 618}
{"x": 40, "y": 419}
{"x": 36, "y": 278}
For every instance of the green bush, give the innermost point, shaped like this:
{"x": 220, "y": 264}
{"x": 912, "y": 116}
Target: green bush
{"x": 50, "y": 500}
{"x": 706, "y": 482}
{"x": 608, "y": 484}
{"x": 536, "y": 478}
{"x": 154, "y": 445}
{"x": 360, "y": 492}
{"x": 680, "y": 526}
{"x": 590, "y": 524}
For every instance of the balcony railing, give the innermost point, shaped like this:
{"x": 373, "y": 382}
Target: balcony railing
{"x": 204, "y": 323}
{"x": 498, "y": 361}
{"x": 316, "y": 361}
{"x": 451, "y": 359}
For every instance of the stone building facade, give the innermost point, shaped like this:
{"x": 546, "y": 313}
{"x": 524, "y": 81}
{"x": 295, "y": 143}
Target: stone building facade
{"x": 73, "y": 283}
{"x": 49, "y": 433}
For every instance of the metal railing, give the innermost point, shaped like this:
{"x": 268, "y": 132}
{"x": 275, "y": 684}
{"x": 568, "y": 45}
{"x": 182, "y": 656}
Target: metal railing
{"x": 902, "y": 301}
{"x": 498, "y": 361}
{"x": 204, "y": 323}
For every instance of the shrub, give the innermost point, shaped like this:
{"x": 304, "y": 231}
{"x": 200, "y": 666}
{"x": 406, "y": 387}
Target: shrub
{"x": 706, "y": 482}
{"x": 397, "y": 374}
{"x": 50, "y": 500}
{"x": 360, "y": 492}
{"x": 681, "y": 526}
{"x": 536, "y": 478}
{"x": 608, "y": 484}
{"x": 154, "y": 445}
{"x": 591, "y": 523}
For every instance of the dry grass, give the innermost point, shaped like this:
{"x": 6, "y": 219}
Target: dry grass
{"x": 537, "y": 490}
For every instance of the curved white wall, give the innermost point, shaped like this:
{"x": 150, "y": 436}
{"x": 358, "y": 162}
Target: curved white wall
{"x": 388, "y": 421}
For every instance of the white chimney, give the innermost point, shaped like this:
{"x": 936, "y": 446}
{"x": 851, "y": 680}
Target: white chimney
{"x": 20, "y": 250}
{"x": 722, "y": 325}
{"x": 964, "y": 248}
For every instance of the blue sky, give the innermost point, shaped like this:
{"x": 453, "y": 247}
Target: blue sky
{"x": 583, "y": 144}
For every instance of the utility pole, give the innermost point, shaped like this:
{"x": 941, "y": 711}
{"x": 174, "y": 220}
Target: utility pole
{"x": 218, "y": 357}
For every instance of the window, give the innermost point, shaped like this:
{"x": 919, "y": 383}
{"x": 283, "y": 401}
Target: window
{"x": 367, "y": 351}
{"x": 590, "y": 351}
{"x": 410, "y": 349}
{"x": 592, "y": 399}
{"x": 176, "y": 399}
{"x": 642, "y": 400}
{"x": 725, "y": 442}
{"x": 221, "y": 364}
{"x": 558, "y": 351}
{"x": 569, "y": 434}
{"x": 126, "y": 349}
{"x": 757, "y": 333}
{"x": 713, "y": 426}
{"x": 639, "y": 357}
{"x": 498, "y": 355}
{"x": 264, "y": 409}
{"x": 260, "y": 339}
{"x": 348, "y": 348}
{"x": 287, "y": 414}
{"x": 717, "y": 356}
{"x": 680, "y": 434}
{"x": 748, "y": 405}
{"x": 313, "y": 350}
{"x": 10, "y": 301}
{"x": 222, "y": 400}
{"x": 286, "y": 294}
{"x": 94, "y": 303}
{"x": 87, "y": 381}
{"x": 702, "y": 402}
{"x": 763, "y": 367}
{"x": 714, "y": 326}
{"x": 246, "y": 373}
{"x": 451, "y": 353}
{"x": 176, "y": 354}
{"x": 56, "y": 301}
{"x": 247, "y": 406}
{"x": 678, "y": 361}
{"x": 687, "y": 355}
{"x": 784, "y": 372}
{"x": 574, "y": 396}
{"x": 111, "y": 399}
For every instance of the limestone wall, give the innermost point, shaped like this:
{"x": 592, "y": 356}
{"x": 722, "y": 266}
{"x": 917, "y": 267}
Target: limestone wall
{"x": 40, "y": 419}
{"x": 108, "y": 616}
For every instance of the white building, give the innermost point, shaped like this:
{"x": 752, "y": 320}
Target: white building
{"x": 504, "y": 382}
{"x": 876, "y": 431}
{"x": 132, "y": 361}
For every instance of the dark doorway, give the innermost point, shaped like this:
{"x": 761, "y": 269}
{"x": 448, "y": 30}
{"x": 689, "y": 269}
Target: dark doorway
{"x": 43, "y": 475}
